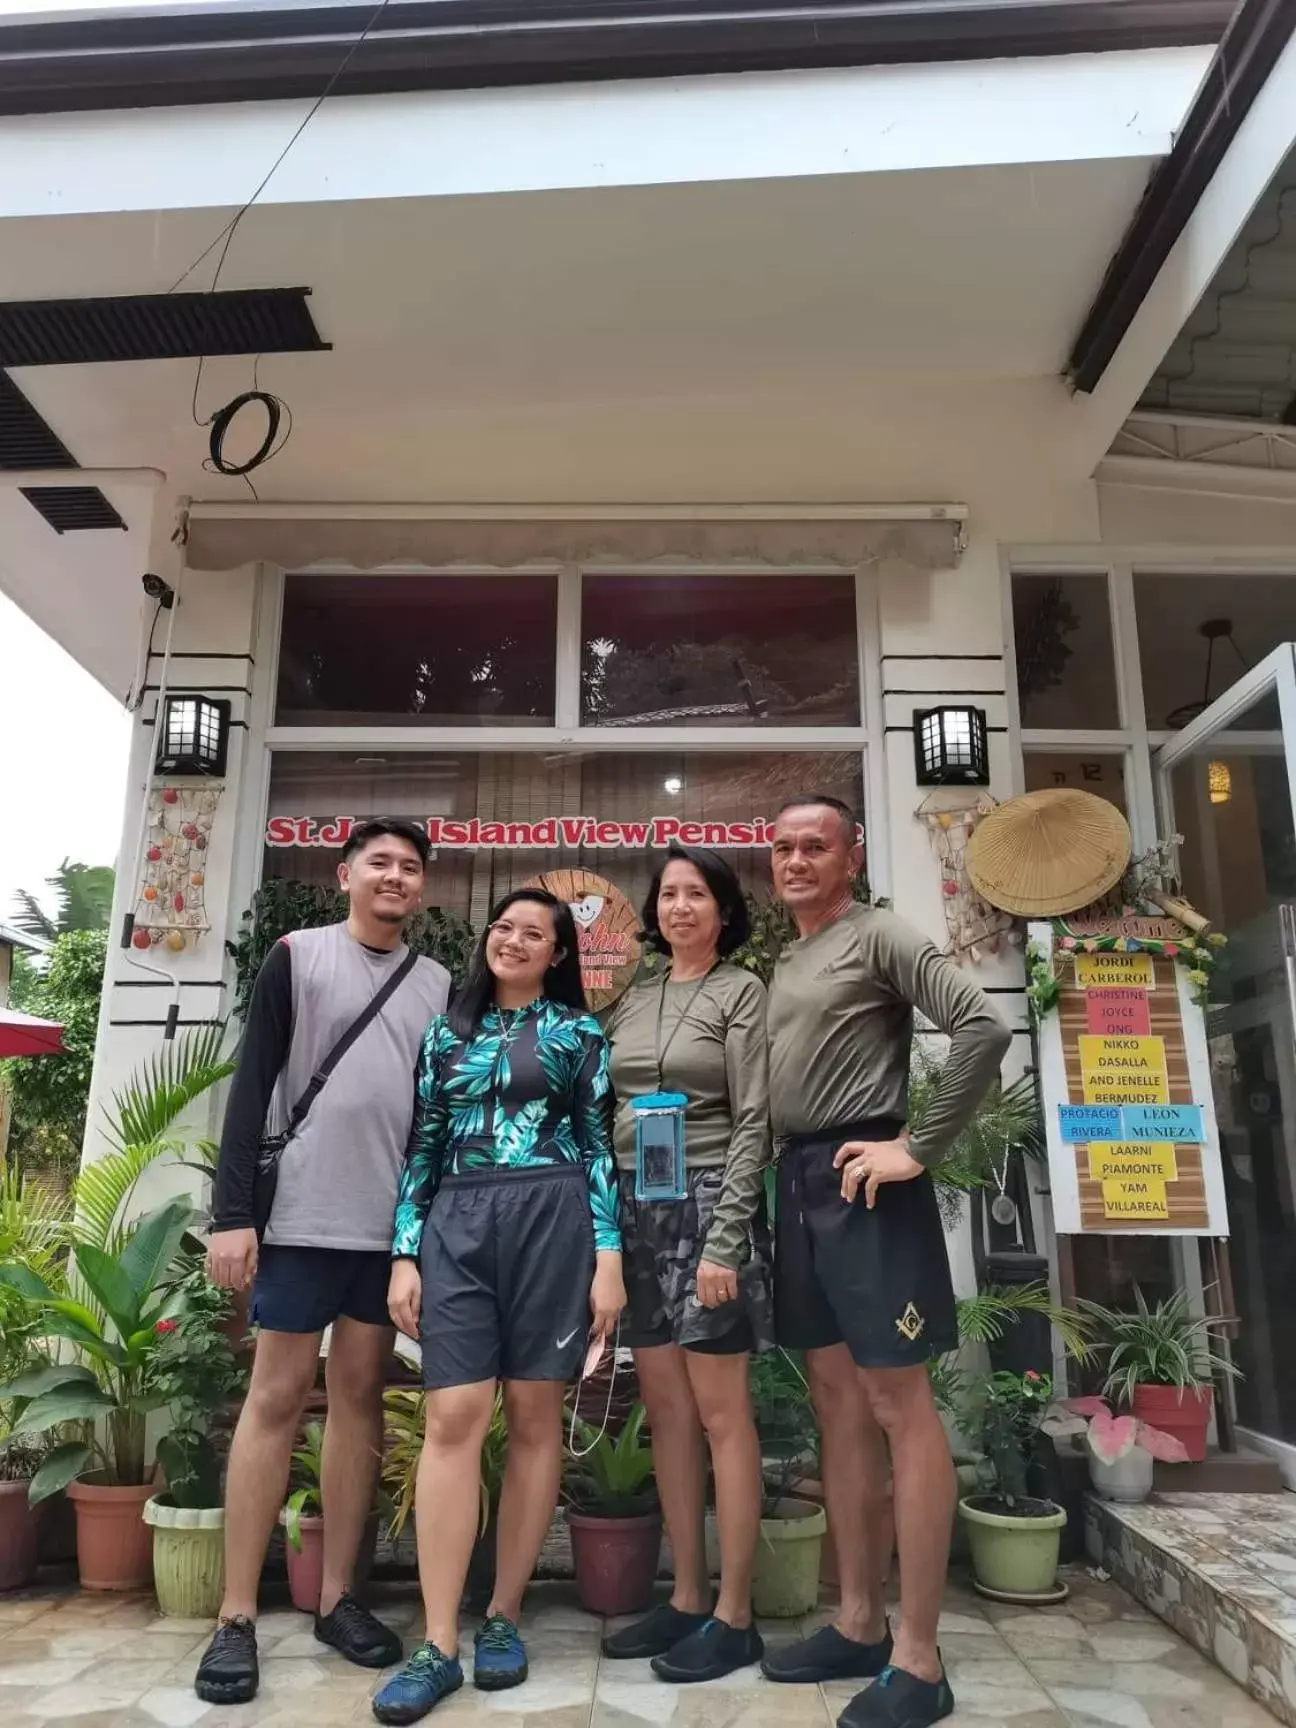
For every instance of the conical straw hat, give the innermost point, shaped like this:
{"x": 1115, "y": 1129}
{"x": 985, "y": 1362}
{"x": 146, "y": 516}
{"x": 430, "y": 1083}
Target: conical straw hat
{"x": 1048, "y": 852}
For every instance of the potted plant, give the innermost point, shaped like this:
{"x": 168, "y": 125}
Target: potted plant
{"x": 1160, "y": 1363}
{"x": 1014, "y": 1537}
{"x": 1122, "y": 1450}
{"x": 613, "y": 1517}
{"x": 303, "y": 1521}
{"x": 19, "y": 1519}
{"x": 106, "y": 1394}
{"x": 789, "y": 1555}
{"x": 195, "y": 1372}
{"x": 404, "y": 1415}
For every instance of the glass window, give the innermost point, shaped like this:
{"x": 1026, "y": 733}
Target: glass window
{"x": 498, "y": 820}
{"x": 1103, "y": 775}
{"x": 417, "y": 651}
{"x": 1198, "y": 634}
{"x": 1066, "y": 669}
{"x": 719, "y": 651}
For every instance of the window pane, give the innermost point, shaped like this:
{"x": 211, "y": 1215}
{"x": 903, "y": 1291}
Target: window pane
{"x": 1183, "y": 621}
{"x": 1104, "y": 776}
{"x": 719, "y": 651}
{"x": 417, "y": 651}
{"x": 604, "y": 812}
{"x": 1066, "y": 670}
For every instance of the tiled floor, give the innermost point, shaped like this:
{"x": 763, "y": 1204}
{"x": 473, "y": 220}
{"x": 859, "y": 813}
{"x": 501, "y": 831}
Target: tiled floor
{"x": 1221, "y": 1570}
{"x": 1099, "y": 1662}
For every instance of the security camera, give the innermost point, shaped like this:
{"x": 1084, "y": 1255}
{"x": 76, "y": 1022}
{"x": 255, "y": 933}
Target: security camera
{"x": 158, "y": 590}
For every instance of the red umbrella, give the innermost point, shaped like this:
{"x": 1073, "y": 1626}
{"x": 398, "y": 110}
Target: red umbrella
{"x": 25, "y": 1035}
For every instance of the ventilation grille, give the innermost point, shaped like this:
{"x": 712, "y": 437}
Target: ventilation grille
{"x": 157, "y": 327}
{"x": 72, "y": 509}
{"x": 25, "y": 440}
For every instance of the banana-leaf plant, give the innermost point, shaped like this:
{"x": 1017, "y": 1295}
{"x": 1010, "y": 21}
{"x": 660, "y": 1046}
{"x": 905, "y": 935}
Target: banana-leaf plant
{"x": 105, "y": 1384}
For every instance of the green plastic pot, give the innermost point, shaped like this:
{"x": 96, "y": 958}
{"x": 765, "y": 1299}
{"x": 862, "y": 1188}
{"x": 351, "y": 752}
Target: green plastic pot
{"x": 188, "y": 1558}
{"x": 785, "y": 1582}
{"x": 1017, "y": 1556}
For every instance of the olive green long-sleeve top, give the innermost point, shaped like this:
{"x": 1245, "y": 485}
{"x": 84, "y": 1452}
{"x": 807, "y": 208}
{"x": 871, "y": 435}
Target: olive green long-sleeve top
{"x": 716, "y": 1054}
{"x": 841, "y": 1009}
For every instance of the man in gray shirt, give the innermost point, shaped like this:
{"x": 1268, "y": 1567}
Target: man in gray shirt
{"x": 326, "y": 1255}
{"x": 861, "y": 1275}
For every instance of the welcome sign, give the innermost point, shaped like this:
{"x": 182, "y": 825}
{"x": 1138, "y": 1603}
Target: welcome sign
{"x": 1125, "y": 1073}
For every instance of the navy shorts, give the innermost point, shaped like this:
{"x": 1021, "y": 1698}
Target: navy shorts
{"x": 507, "y": 1262}
{"x": 307, "y": 1289}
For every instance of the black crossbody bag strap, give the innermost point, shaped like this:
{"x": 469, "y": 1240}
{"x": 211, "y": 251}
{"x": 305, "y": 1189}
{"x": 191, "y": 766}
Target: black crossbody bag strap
{"x": 302, "y": 1108}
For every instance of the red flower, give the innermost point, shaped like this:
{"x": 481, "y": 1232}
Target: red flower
{"x": 1031, "y": 1374}
{"x": 165, "y": 1326}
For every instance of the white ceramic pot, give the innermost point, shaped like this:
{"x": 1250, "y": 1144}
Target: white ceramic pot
{"x": 1128, "y": 1480}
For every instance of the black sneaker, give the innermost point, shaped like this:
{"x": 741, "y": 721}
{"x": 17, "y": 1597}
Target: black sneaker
{"x": 899, "y": 1700}
{"x": 354, "y": 1633}
{"x": 229, "y": 1672}
{"x": 660, "y": 1630}
{"x": 714, "y": 1650}
{"x": 827, "y": 1655}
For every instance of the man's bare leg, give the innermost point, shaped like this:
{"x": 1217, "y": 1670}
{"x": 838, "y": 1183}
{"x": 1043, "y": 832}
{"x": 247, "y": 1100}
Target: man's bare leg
{"x": 853, "y": 1464}
{"x": 357, "y": 1363}
{"x": 925, "y": 1490}
{"x": 283, "y": 1372}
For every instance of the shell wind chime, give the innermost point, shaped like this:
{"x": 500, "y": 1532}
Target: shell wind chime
{"x": 950, "y": 816}
{"x": 172, "y": 907}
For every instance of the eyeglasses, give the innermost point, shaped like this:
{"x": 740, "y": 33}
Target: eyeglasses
{"x": 528, "y": 938}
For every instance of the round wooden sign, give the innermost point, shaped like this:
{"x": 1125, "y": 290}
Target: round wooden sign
{"x": 606, "y": 928}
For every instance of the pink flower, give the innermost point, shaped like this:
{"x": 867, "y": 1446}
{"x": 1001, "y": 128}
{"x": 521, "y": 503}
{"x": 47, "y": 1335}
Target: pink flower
{"x": 165, "y": 1326}
{"x": 1068, "y": 942}
{"x": 1031, "y": 1374}
{"x": 1170, "y": 950}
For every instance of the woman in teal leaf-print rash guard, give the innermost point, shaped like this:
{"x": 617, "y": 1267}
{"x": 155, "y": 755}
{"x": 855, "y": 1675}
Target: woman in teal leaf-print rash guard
{"x": 506, "y": 1258}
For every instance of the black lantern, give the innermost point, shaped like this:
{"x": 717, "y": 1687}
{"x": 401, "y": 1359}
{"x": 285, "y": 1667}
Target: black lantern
{"x": 951, "y": 747}
{"x": 193, "y": 736}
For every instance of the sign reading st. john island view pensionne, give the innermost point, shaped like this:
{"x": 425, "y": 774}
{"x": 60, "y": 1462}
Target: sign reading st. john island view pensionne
{"x": 1125, "y": 1074}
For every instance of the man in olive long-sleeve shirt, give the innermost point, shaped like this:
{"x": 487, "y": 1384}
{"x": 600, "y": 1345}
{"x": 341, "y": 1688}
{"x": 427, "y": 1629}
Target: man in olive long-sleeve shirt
{"x": 862, "y": 1278}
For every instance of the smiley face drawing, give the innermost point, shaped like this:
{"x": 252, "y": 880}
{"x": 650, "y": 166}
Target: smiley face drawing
{"x": 586, "y": 910}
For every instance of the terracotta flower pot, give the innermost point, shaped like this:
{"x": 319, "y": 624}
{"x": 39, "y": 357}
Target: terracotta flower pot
{"x": 1186, "y": 1414}
{"x": 306, "y": 1565}
{"x": 114, "y": 1544}
{"x": 615, "y": 1560}
{"x": 19, "y": 1536}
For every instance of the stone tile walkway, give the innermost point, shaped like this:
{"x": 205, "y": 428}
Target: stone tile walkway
{"x": 1100, "y": 1661}
{"x": 1221, "y": 1570}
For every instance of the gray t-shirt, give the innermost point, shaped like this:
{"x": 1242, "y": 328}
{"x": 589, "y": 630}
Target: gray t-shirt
{"x": 339, "y": 1174}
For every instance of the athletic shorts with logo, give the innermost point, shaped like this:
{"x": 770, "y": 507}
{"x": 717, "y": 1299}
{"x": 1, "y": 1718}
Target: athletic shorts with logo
{"x": 877, "y": 1279}
{"x": 662, "y": 1242}
{"x": 507, "y": 1263}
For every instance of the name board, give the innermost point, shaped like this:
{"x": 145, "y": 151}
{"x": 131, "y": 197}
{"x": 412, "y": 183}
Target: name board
{"x": 607, "y": 929}
{"x": 1125, "y": 1073}
{"x": 549, "y": 834}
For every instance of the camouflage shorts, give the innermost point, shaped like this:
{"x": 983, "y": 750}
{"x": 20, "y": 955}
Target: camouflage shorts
{"x": 663, "y": 1243}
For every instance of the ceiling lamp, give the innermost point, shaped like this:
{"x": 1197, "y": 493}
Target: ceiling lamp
{"x": 1219, "y": 782}
{"x": 1213, "y": 630}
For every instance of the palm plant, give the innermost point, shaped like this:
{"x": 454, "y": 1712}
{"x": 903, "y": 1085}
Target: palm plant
{"x": 34, "y": 1234}
{"x": 611, "y": 1478}
{"x": 1007, "y": 1120}
{"x": 404, "y": 1413}
{"x": 84, "y": 895}
{"x": 140, "y": 1128}
{"x": 1167, "y": 1345}
{"x": 111, "y": 1381}
{"x": 984, "y": 1319}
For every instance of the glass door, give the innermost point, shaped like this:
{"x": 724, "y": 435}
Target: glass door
{"x": 1226, "y": 785}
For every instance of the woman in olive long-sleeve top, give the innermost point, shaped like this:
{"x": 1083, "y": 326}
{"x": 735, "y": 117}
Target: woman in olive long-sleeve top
{"x": 697, "y": 1268}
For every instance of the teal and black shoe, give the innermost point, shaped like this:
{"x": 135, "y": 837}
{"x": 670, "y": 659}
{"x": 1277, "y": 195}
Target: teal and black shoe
{"x": 499, "y": 1655}
{"x": 423, "y": 1682}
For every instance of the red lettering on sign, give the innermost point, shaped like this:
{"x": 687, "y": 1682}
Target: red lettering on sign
{"x": 1118, "y": 1010}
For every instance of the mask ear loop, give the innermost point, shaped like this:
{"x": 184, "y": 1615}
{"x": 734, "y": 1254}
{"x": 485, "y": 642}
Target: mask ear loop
{"x": 607, "y": 1410}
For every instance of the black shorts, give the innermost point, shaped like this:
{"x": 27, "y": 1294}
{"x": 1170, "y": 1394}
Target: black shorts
{"x": 877, "y": 1281}
{"x": 507, "y": 1262}
{"x": 662, "y": 1244}
{"x": 307, "y": 1289}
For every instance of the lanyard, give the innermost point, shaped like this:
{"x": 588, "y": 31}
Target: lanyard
{"x": 662, "y": 1051}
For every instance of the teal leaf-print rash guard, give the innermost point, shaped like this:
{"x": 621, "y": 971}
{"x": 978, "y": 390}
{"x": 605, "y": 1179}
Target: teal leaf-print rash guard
{"x": 530, "y": 1088}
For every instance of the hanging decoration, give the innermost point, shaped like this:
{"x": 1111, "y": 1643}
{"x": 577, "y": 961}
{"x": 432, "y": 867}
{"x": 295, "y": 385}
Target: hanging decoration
{"x": 172, "y": 907}
{"x": 976, "y": 929}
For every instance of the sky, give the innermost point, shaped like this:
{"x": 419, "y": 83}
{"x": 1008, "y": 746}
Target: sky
{"x": 63, "y": 748}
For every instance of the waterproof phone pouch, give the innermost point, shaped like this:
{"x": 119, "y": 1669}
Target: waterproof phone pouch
{"x": 659, "y": 1146}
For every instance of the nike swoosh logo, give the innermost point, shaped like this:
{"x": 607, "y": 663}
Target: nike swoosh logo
{"x": 564, "y": 1342}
